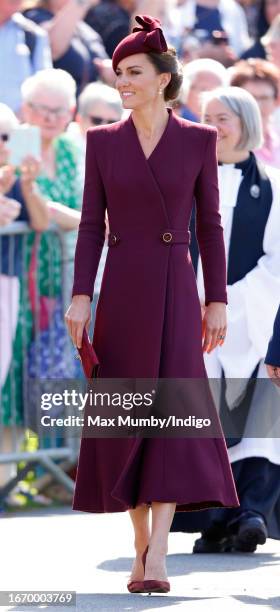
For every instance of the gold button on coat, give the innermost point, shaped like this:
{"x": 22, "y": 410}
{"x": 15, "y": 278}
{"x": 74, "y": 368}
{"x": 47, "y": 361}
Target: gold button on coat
{"x": 167, "y": 237}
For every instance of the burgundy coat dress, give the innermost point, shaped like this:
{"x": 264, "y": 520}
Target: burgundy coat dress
{"x": 148, "y": 318}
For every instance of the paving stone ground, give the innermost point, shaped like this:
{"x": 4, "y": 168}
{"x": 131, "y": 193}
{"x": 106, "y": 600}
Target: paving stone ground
{"x": 92, "y": 555}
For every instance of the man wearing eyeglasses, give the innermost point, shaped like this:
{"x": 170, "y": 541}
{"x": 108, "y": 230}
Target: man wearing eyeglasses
{"x": 24, "y": 49}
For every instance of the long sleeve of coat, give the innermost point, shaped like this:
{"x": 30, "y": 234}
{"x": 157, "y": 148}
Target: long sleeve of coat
{"x": 209, "y": 230}
{"x": 92, "y": 226}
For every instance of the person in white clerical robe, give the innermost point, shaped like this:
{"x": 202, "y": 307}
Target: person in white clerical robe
{"x": 249, "y": 405}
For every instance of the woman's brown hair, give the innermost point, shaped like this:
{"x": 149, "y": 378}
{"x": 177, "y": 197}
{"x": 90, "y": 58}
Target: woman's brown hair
{"x": 168, "y": 62}
{"x": 255, "y": 70}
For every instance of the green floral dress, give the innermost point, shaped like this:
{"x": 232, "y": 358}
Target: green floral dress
{"x": 65, "y": 189}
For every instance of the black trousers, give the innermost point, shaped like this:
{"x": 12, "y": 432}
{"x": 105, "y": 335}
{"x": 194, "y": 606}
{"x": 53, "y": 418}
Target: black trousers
{"x": 258, "y": 486}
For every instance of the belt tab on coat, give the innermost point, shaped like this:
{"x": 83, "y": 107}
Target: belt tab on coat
{"x": 167, "y": 237}
{"x": 176, "y": 236}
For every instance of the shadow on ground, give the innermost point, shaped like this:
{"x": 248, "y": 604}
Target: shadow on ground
{"x": 86, "y": 602}
{"x": 185, "y": 564}
{"x": 113, "y": 602}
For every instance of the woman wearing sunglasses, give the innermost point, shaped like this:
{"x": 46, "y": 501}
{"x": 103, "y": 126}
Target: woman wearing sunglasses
{"x": 98, "y": 104}
{"x": 49, "y": 103}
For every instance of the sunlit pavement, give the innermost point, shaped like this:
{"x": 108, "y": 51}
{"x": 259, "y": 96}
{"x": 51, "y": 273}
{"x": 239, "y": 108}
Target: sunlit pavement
{"x": 62, "y": 550}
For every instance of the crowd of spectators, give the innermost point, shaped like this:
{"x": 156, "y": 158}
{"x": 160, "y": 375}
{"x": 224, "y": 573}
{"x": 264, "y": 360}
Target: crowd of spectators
{"x": 56, "y": 75}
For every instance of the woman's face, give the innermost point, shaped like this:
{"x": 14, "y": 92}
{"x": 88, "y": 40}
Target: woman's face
{"x": 228, "y": 125}
{"x": 264, "y": 95}
{"x": 49, "y": 112}
{"x": 137, "y": 81}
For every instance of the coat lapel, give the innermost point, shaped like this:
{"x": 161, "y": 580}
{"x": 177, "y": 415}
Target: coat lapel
{"x": 146, "y": 165}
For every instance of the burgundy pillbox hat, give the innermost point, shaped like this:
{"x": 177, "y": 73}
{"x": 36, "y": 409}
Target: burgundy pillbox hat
{"x": 142, "y": 40}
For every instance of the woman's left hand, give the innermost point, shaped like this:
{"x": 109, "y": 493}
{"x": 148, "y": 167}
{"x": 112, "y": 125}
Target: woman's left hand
{"x": 29, "y": 170}
{"x": 214, "y": 326}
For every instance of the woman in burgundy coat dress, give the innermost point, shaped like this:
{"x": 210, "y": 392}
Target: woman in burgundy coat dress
{"x": 146, "y": 171}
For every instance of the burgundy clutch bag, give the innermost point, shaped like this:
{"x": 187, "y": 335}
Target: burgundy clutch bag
{"x": 88, "y": 357}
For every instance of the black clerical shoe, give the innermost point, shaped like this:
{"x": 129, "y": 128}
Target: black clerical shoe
{"x": 251, "y": 532}
{"x": 215, "y": 539}
{"x": 206, "y": 545}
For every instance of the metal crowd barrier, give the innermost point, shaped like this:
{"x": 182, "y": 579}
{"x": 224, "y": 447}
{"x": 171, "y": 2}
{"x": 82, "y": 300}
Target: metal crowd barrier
{"x": 29, "y": 333}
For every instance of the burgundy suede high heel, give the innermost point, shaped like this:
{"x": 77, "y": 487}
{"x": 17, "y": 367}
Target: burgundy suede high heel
{"x": 136, "y": 586}
{"x": 156, "y": 586}
{"x": 153, "y": 586}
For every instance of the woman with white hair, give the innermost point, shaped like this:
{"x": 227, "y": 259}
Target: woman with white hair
{"x": 49, "y": 103}
{"x": 249, "y": 408}
{"x": 98, "y": 104}
{"x": 199, "y": 76}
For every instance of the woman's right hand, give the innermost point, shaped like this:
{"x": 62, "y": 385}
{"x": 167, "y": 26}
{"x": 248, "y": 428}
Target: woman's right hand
{"x": 77, "y": 317}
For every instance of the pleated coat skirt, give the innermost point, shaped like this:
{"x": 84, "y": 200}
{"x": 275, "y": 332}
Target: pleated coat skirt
{"x": 148, "y": 318}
